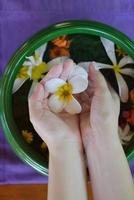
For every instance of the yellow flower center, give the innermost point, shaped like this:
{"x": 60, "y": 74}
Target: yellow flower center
{"x": 39, "y": 70}
{"x": 23, "y": 73}
{"x": 64, "y": 92}
{"x": 116, "y": 68}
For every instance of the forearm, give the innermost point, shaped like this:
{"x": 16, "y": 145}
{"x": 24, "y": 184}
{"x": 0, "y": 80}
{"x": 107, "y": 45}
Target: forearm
{"x": 109, "y": 171}
{"x": 67, "y": 176}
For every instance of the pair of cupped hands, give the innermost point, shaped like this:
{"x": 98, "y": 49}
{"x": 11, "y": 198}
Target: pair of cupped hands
{"x": 98, "y": 119}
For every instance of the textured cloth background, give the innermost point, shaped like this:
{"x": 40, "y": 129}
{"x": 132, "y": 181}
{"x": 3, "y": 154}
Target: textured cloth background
{"x": 19, "y": 19}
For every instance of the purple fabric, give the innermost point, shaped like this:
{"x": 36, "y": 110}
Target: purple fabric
{"x": 19, "y": 19}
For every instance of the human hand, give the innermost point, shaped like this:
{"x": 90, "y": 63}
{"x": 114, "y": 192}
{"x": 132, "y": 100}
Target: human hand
{"x": 101, "y": 107}
{"x": 53, "y": 128}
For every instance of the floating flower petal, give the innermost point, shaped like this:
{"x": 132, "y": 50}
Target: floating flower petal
{"x": 28, "y": 136}
{"x": 117, "y": 67}
{"x": 128, "y": 72}
{"x": 62, "y": 41}
{"x": 125, "y": 60}
{"x": 17, "y": 84}
{"x": 33, "y": 68}
{"x": 110, "y": 49}
{"x": 57, "y": 51}
{"x": 123, "y": 88}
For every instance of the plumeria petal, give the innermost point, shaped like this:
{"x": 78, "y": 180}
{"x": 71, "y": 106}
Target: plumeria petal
{"x": 55, "y": 104}
{"x": 128, "y": 71}
{"x": 97, "y": 65}
{"x": 68, "y": 67}
{"x": 27, "y": 63}
{"x": 57, "y": 61}
{"x": 85, "y": 65}
{"x": 29, "y": 72}
{"x": 17, "y": 84}
{"x": 78, "y": 71}
{"x": 73, "y": 107}
{"x": 110, "y": 49}
{"x": 40, "y": 51}
{"x": 123, "y": 88}
{"x": 53, "y": 84}
{"x": 32, "y": 60}
{"x": 79, "y": 84}
{"x": 125, "y": 60}
{"x": 32, "y": 88}
{"x": 54, "y": 72}
{"x": 102, "y": 66}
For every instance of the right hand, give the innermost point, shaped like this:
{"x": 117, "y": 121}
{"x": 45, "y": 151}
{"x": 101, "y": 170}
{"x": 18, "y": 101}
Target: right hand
{"x": 100, "y": 121}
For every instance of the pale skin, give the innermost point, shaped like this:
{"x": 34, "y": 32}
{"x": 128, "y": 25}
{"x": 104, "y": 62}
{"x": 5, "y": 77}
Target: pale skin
{"x": 97, "y": 128}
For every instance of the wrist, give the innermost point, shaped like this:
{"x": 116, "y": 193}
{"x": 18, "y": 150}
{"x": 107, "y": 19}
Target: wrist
{"x": 102, "y": 140}
{"x": 63, "y": 147}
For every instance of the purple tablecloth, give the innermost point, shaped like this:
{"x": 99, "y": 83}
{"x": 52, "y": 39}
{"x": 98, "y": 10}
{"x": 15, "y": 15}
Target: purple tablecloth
{"x": 19, "y": 19}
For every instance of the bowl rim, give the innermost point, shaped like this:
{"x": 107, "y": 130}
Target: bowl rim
{"x": 26, "y": 49}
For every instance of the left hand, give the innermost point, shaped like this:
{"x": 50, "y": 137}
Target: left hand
{"x": 53, "y": 128}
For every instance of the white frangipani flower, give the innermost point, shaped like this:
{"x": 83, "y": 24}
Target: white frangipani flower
{"x": 56, "y": 61}
{"x": 32, "y": 68}
{"x": 62, "y": 91}
{"x": 117, "y": 67}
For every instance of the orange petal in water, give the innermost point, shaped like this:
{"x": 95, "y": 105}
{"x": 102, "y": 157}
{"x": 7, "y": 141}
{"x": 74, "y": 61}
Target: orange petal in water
{"x": 61, "y": 41}
{"x": 57, "y": 52}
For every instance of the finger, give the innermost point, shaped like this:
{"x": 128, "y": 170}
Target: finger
{"x": 54, "y": 72}
{"x": 113, "y": 92}
{"x": 67, "y": 68}
{"x": 90, "y": 91}
{"x": 114, "y": 96}
{"x": 84, "y": 97}
{"x": 98, "y": 81}
{"x": 35, "y": 101}
{"x": 38, "y": 93}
